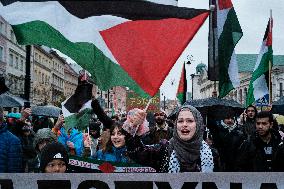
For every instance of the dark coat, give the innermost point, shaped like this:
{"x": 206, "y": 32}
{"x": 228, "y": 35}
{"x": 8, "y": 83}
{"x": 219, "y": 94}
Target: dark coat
{"x": 11, "y": 152}
{"x": 227, "y": 143}
{"x": 155, "y": 135}
{"x": 249, "y": 127}
{"x": 157, "y": 155}
{"x": 252, "y": 155}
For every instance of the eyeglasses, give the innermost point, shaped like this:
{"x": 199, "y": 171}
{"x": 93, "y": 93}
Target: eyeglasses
{"x": 159, "y": 114}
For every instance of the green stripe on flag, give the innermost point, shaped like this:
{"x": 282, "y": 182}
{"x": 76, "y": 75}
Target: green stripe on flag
{"x": 87, "y": 55}
{"x": 227, "y": 41}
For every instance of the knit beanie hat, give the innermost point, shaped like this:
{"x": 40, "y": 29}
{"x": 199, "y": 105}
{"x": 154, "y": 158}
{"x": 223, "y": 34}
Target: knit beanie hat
{"x": 44, "y": 134}
{"x": 53, "y": 151}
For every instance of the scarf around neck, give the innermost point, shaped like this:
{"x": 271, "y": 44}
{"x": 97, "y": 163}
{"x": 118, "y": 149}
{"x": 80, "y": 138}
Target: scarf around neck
{"x": 230, "y": 128}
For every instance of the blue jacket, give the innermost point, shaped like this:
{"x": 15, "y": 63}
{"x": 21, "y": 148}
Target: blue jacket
{"x": 75, "y": 136}
{"x": 10, "y": 152}
{"x": 117, "y": 155}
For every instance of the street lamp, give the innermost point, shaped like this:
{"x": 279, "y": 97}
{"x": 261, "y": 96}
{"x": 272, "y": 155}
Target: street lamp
{"x": 192, "y": 76}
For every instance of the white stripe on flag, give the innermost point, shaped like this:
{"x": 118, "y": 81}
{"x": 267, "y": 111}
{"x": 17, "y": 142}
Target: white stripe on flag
{"x": 260, "y": 87}
{"x": 233, "y": 71}
{"x": 71, "y": 27}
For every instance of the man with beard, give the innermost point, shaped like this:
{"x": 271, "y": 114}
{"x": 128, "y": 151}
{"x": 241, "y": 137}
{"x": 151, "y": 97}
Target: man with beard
{"x": 227, "y": 137}
{"x": 247, "y": 120}
{"x": 261, "y": 151}
{"x": 159, "y": 131}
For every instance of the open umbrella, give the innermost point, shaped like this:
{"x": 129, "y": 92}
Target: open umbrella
{"x": 216, "y": 108}
{"x": 8, "y": 100}
{"x": 278, "y": 106}
{"x": 48, "y": 110}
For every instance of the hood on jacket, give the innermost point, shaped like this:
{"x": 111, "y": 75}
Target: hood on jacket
{"x": 44, "y": 134}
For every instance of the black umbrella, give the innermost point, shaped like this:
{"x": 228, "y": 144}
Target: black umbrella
{"x": 9, "y": 101}
{"x": 278, "y": 106}
{"x": 216, "y": 108}
{"x": 48, "y": 110}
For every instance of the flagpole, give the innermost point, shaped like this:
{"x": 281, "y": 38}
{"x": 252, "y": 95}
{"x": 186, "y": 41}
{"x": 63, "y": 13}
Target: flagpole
{"x": 270, "y": 65}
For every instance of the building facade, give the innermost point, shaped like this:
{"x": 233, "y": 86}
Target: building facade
{"x": 12, "y": 57}
{"x": 203, "y": 88}
{"x": 70, "y": 80}
{"x": 57, "y": 74}
{"x": 41, "y": 71}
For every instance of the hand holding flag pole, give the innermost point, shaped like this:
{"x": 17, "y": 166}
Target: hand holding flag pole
{"x": 144, "y": 110}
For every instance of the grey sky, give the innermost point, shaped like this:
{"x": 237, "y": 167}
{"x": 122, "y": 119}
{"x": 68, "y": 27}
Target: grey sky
{"x": 253, "y": 16}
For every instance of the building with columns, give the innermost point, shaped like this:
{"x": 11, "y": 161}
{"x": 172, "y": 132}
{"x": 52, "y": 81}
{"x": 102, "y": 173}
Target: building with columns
{"x": 203, "y": 88}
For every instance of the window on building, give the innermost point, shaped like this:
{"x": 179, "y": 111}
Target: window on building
{"x": 245, "y": 94}
{"x": 12, "y": 36}
{"x": 36, "y": 56}
{"x": 22, "y": 65}
{"x": 241, "y": 96}
{"x": 42, "y": 78}
{"x": 2, "y": 27}
{"x": 16, "y": 62}
{"x": 35, "y": 74}
{"x": 11, "y": 60}
{"x": 1, "y": 53}
{"x": 281, "y": 89}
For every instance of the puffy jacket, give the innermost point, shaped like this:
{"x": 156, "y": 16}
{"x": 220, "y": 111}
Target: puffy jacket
{"x": 117, "y": 155}
{"x": 75, "y": 136}
{"x": 11, "y": 152}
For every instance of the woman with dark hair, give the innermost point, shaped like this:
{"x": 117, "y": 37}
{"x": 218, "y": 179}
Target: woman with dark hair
{"x": 115, "y": 150}
{"x": 184, "y": 152}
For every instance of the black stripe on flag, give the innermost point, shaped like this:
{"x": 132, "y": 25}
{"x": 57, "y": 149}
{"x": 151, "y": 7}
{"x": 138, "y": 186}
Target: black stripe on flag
{"x": 129, "y": 9}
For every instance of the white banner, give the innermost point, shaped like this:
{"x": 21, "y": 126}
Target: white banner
{"x": 145, "y": 181}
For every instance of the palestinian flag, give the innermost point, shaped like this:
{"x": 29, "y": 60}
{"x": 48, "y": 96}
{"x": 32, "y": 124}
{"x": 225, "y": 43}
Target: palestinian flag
{"x": 131, "y": 43}
{"x": 77, "y": 109}
{"x": 182, "y": 87}
{"x": 229, "y": 32}
{"x": 259, "y": 83}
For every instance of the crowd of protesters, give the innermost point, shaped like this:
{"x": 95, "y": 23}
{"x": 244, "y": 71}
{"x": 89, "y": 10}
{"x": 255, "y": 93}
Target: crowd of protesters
{"x": 248, "y": 143}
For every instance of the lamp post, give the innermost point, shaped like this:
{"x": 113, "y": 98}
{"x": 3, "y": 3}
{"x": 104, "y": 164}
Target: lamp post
{"x": 192, "y": 76}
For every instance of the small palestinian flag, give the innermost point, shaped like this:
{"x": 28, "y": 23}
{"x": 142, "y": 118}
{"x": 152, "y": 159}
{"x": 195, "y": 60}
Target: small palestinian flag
{"x": 182, "y": 88}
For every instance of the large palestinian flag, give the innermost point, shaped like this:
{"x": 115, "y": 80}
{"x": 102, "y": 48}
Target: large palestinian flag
{"x": 130, "y": 43}
{"x": 259, "y": 83}
{"x": 229, "y": 32}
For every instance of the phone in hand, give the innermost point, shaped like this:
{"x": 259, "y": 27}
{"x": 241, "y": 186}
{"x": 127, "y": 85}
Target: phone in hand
{"x": 27, "y": 104}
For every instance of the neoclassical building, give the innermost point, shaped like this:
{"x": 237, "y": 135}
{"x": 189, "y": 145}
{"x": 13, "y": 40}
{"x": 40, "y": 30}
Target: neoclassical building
{"x": 203, "y": 88}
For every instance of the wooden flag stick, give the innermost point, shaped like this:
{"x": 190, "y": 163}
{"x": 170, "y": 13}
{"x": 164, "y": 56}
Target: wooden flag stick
{"x": 148, "y": 104}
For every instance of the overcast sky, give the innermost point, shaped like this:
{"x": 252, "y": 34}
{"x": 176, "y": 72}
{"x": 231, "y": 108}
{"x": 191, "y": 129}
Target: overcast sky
{"x": 253, "y": 16}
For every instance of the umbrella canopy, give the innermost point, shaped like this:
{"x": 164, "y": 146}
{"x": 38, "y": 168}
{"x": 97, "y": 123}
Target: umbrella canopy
{"x": 216, "y": 108}
{"x": 8, "y": 101}
{"x": 278, "y": 106}
{"x": 48, "y": 110}
{"x": 14, "y": 115}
